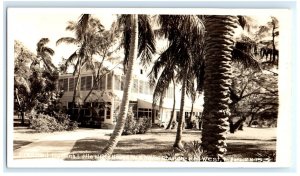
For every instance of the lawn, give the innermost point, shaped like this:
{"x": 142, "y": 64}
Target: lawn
{"x": 156, "y": 144}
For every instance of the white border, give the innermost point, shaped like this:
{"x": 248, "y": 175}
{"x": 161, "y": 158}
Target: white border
{"x": 283, "y": 136}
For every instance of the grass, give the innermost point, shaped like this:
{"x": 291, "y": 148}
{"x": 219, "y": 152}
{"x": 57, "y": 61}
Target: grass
{"x": 157, "y": 143}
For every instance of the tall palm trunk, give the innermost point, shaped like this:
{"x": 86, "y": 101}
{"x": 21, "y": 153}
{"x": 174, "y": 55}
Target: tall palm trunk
{"x": 161, "y": 109}
{"x": 178, "y": 143}
{"x": 189, "y": 123}
{"x": 173, "y": 108}
{"x": 75, "y": 90}
{"x": 115, "y": 137}
{"x": 219, "y": 45}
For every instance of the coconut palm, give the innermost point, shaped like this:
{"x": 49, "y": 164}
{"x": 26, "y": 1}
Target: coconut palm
{"x": 44, "y": 53}
{"x": 138, "y": 42}
{"x": 174, "y": 104}
{"x": 184, "y": 33}
{"x": 193, "y": 94}
{"x": 218, "y": 55}
{"x": 273, "y": 26}
{"x": 87, "y": 31}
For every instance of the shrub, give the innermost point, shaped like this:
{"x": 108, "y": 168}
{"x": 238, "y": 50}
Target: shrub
{"x": 133, "y": 126}
{"x": 46, "y": 123}
{"x": 130, "y": 124}
{"x": 142, "y": 125}
{"x": 191, "y": 152}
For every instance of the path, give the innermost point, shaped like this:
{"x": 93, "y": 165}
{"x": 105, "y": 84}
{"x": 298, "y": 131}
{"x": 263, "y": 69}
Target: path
{"x": 55, "y": 145}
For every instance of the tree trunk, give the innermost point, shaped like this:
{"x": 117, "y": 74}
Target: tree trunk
{"x": 237, "y": 125}
{"x": 75, "y": 89}
{"x": 219, "y": 44}
{"x": 161, "y": 110}
{"x": 115, "y": 136}
{"x": 22, "y": 118}
{"x": 95, "y": 85}
{"x": 178, "y": 143}
{"x": 173, "y": 108}
{"x": 90, "y": 92}
{"x": 273, "y": 44}
{"x": 251, "y": 120}
{"x": 189, "y": 123}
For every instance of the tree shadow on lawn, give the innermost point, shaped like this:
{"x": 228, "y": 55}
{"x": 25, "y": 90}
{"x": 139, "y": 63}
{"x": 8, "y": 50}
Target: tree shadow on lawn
{"x": 18, "y": 144}
{"x": 89, "y": 148}
{"x": 159, "y": 143}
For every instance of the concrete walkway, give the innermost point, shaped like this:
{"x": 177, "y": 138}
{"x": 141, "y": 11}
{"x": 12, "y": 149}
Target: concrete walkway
{"x": 56, "y": 145}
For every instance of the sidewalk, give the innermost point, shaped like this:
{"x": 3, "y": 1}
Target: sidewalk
{"x": 56, "y": 145}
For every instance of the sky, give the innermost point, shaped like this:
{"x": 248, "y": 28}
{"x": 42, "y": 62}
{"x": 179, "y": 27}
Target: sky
{"x": 30, "y": 26}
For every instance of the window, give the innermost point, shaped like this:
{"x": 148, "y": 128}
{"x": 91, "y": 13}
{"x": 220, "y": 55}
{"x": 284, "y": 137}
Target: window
{"x": 61, "y": 84}
{"x": 66, "y": 84}
{"x": 108, "y": 113}
{"x": 117, "y": 82}
{"x": 88, "y": 81}
{"x": 101, "y": 112}
{"x": 135, "y": 86}
{"x": 71, "y": 84}
{"x": 102, "y": 82}
{"x": 109, "y": 81}
{"x": 144, "y": 113}
{"x": 146, "y": 88}
{"x": 82, "y": 83}
{"x": 141, "y": 87}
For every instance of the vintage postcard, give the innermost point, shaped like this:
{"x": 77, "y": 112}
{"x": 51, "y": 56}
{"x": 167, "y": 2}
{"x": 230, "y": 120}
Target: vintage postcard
{"x": 145, "y": 87}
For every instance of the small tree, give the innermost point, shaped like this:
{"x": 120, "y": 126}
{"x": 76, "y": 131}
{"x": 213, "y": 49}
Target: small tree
{"x": 255, "y": 95}
{"x": 35, "y": 86}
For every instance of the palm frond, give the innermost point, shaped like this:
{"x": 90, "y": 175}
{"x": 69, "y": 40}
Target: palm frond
{"x": 163, "y": 82}
{"x": 199, "y": 69}
{"x": 163, "y": 60}
{"x": 242, "y": 21}
{"x": 71, "y": 26}
{"x": 186, "y": 25}
{"x": 43, "y": 41}
{"x": 245, "y": 59}
{"x": 146, "y": 43}
{"x": 71, "y": 59}
{"x": 146, "y": 40}
{"x": 48, "y": 50}
{"x": 82, "y": 26}
{"x": 67, "y": 40}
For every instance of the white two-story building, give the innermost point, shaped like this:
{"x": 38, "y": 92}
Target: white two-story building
{"x": 102, "y": 106}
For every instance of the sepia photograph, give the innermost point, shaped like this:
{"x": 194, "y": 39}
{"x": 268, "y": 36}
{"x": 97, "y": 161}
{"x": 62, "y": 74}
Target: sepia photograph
{"x": 190, "y": 87}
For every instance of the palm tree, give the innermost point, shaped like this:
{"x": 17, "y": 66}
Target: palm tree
{"x": 44, "y": 53}
{"x": 193, "y": 94}
{"x": 218, "y": 55}
{"x": 264, "y": 30}
{"x": 87, "y": 31}
{"x": 138, "y": 42}
{"x": 105, "y": 49}
{"x": 174, "y": 104}
{"x": 184, "y": 33}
